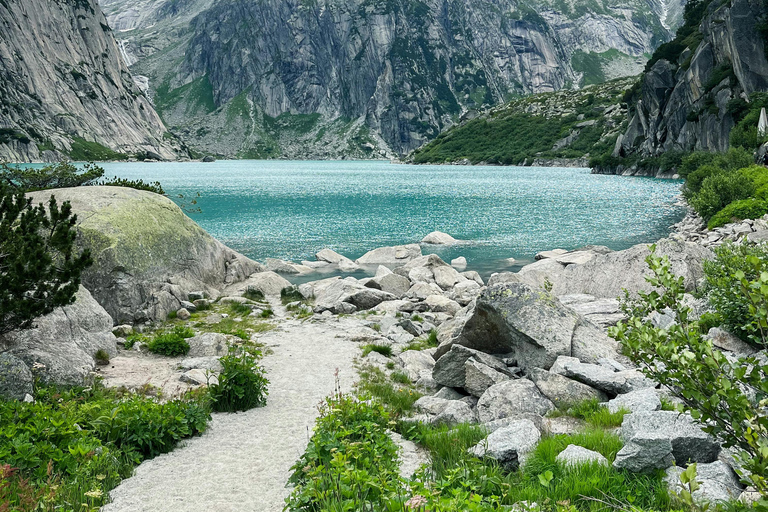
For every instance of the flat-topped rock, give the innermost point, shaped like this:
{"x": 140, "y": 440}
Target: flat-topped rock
{"x": 396, "y": 255}
{"x": 439, "y": 238}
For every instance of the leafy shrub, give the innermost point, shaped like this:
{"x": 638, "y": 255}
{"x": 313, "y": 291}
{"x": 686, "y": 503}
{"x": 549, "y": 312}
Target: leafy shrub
{"x": 238, "y": 309}
{"x": 40, "y": 267}
{"x": 400, "y": 377}
{"x": 171, "y": 343}
{"x": 720, "y": 190}
{"x": 739, "y": 210}
{"x": 242, "y": 384}
{"x": 725, "y": 396}
{"x": 267, "y": 313}
{"x": 744, "y": 134}
{"x": 724, "y": 290}
{"x": 153, "y": 186}
{"x": 101, "y": 357}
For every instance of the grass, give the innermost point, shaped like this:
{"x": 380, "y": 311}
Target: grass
{"x": 397, "y": 399}
{"x": 384, "y": 350}
{"x": 447, "y": 446}
{"x": 422, "y": 343}
{"x": 594, "y": 413}
{"x": 238, "y": 309}
{"x": 86, "y": 151}
{"x": 400, "y": 377}
{"x": 254, "y": 295}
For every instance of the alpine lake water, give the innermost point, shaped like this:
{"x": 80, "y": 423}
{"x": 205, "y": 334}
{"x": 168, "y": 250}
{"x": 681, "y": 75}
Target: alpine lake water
{"x": 292, "y": 209}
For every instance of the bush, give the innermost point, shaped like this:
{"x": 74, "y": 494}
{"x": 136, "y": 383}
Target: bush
{"x": 739, "y": 210}
{"x": 720, "y": 190}
{"x": 724, "y": 395}
{"x": 242, "y": 385}
{"x": 172, "y": 343}
{"x": 39, "y": 266}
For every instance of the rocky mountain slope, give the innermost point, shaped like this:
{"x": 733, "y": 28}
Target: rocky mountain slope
{"x": 365, "y": 78}
{"x": 64, "y": 90}
{"x": 702, "y": 91}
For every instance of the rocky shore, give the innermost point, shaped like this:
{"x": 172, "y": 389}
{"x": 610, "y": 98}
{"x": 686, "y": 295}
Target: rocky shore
{"x": 510, "y": 351}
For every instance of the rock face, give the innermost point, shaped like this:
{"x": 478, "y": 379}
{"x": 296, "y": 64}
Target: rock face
{"x": 65, "y": 341}
{"x": 389, "y": 74}
{"x": 16, "y": 381}
{"x": 683, "y": 102}
{"x": 62, "y": 78}
{"x": 148, "y": 256}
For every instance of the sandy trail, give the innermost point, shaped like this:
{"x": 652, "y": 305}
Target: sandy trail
{"x": 242, "y": 462}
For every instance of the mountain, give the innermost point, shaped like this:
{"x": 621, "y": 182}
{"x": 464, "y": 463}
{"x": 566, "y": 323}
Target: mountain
{"x": 703, "y": 90}
{"x": 65, "y": 91}
{"x": 367, "y": 78}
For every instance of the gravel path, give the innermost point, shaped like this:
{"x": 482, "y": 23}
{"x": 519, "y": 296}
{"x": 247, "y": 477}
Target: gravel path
{"x": 242, "y": 462}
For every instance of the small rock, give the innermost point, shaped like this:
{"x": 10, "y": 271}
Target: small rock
{"x": 726, "y": 341}
{"x": 198, "y": 377}
{"x": 644, "y": 453}
{"x": 508, "y": 445}
{"x": 16, "y": 380}
{"x": 189, "y": 306}
{"x": 193, "y": 296}
{"x": 575, "y": 455}
{"x": 642, "y": 400}
{"x": 512, "y": 398}
{"x": 459, "y": 263}
{"x": 183, "y": 314}
{"x": 439, "y": 238}
{"x": 123, "y": 331}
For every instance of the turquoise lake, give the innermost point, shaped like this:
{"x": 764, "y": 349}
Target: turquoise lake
{"x": 292, "y": 209}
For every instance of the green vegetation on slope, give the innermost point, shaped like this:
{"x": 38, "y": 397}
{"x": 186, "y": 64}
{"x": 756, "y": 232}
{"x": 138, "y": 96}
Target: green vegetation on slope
{"x": 565, "y": 124}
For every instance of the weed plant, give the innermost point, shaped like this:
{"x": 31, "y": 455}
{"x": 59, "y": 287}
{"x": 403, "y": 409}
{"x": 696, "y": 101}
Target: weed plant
{"x": 241, "y": 384}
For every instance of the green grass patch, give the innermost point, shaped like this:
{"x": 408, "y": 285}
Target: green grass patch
{"x": 384, "y": 350}
{"x": 396, "y": 398}
{"x": 400, "y": 378}
{"x": 86, "y": 151}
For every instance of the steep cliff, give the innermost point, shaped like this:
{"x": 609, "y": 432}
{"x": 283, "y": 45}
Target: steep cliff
{"x": 364, "y": 78}
{"x": 65, "y": 91}
{"x": 701, "y": 85}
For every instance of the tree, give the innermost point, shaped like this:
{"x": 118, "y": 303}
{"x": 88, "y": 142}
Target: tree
{"x": 40, "y": 267}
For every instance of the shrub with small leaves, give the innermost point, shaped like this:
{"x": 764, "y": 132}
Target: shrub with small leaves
{"x": 242, "y": 384}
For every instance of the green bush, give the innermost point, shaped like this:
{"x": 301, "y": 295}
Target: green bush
{"x": 724, "y": 395}
{"x": 242, "y": 384}
{"x": 172, "y": 343}
{"x": 724, "y": 291}
{"x": 290, "y": 294}
{"x": 719, "y": 190}
{"x": 739, "y": 210}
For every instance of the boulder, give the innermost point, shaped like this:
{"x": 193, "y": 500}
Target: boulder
{"x": 510, "y": 399}
{"x": 601, "y": 377}
{"x": 345, "y": 264}
{"x": 512, "y": 318}
{"x": 368, "y": 298}
{"x": 421, "y": 291}
{"x": 590, "y": 344}
{"x": 575, "y": 257}
{"x": 689, "y": 443}
{"x": 718, "y": 483}
{"x": 442, "y": 304}
{"x": 562, "y": 391}
{"x": 397, "y": 255}
{"x": 208, "y": 344}
{"x": 148, "y": 256}
{"x": 198, "y": 377}
{"x": 478, "y": 377}
{"x": 465, "y": 292}
{"x": 122, "y": 331}
{"x": 447, "y": 393}
{"x": 459, "y": 263}
{"x": 472, "y": 275}
{"x": 646, "y": 452}
{"x": 726, "y": 341}
{"x": 508, "y": 445}
{"x": 642, "y": 400}
{"x": 268, "y": 283}
{"x": 575, "y": 455}
{"x": 441, "y": 411}
{"x": 64, "y": 341}
{"x": 394, "y": 284}
{"x": 432, "y": 269}
{"x": 286, "y": 267}
{"x": 602, "y": 312}
{"x": 16, "y": 381}
{"x": 439, "y": 238}
{"x": 210, "y": 363}
{"x": 183, "y": 314}
{"x": 449, "y": 370}
{"x": 416, "y": 361}
{"x": 554, "y": 253}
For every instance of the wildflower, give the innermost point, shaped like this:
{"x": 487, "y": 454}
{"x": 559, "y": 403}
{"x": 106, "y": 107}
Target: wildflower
{"x": 101, "y": 477}
{"x": 416, "y": 502}
{"x": 95, "y": 493}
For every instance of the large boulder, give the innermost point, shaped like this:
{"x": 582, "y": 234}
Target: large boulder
{"x": 439, "y": 238}
{"x": 508, "y": 445}
{"x": 60, "y": 346}
{"x": 511, "y": 399}
{"x": 16, "y": 381}
{"x": 147, "y": 254}
{"x": 689, "y": 443}
{"x": 450, "y": 369}
{"x": 397, "y": 255}
{"x": 368, "y": 298}
{"x": 268, "y": 283}
{"x": 562, "y": 391}
{"x": 533, "y": 325}
{"x": 607, "y": 275}
{"x": 432, "y": 269}
{"x": 718, "y": 483}
{"x": 645, "y": 452}
{"x": 603, "y": 377}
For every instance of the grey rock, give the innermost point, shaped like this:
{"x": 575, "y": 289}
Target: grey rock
{"x": 198, "y": 295}
{"x": 442, "y": 304}
{"x": 459, "y": 263}
{"x": 455, "y": 413}
{"x": 447, "y": 393}
{"x": 510, "y": 399}
{"x": 65, "y": 341}
{"x": 189, "y": 306}
{"x": 415, "y": 361}
{"x": 368, "y": 298}
{"x": 645, "y": 452}
{"x": 642, "y": 400}
{"x": 562, "y": 391}
{"x": 688, "y": 441}
{"x": 122, "y": 331}
{"x": 508, "y": 445}
{"x": 210, "y": 363}
{"x": 599, "y": 377}
{"x": 575, "y": 455}
{"x": 726, "y": 341}
{"x": 16, "y": 381}
{"x": 439, "y": 238}
{"x": 449, "y": 370}
{"x": 268, "y": 283}
{"x": 478, "y": 377}
{"x": 198, "y": 377}
{"x": 394, "y": 284}
{"x": 397, "y": 255}
{"x": 718, "y": 483}
{"x": 208, "y": 344}
{"x": 183, "y": 314}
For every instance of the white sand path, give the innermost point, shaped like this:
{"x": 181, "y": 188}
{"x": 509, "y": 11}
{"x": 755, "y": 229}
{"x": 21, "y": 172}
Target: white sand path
{"x": 242, "y": 461}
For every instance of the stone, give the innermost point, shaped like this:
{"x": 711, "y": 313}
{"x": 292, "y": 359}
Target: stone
{"x": 142, "y": 281}
{"x": 183, "y": 314}
{"x": 198, "y": 295}
{"x": 575, "y": 257}
{"x": 465, "y": 292}
{"x": 459, "y": 263}
{"x": 562, "y": 391}
{"x": 16, "y": 380}
{"x": 478, "y": 377}
{"x": 122, "y": 331}
{"x": 644, "y": 453}
{"x": 455, "y": 413}
{"x": 602, "y": 312}
{"x": 268, "y": 283}
{"x": 208, "y": 344}
{"x": 718, "y": 483}
{"x": 512, "y": 318}
{"x": 202, "y": 303}
{"x": 642, "y": 400}
{"x": 382, "y": 271}
{"x": 589, "y": 343}
{"x": 198, "y": 377}
{"x": 510, "y": 399}
{"x": 473, "y": 276}
{"x": 447, "y": 393}
{"x": 575, "y": 455}
{"x": 724, "y": 340}
{"x": 210, "y": 363}
{"x": 416, "y": 361}
{"x": 64, "y": 341}
{"x": 449, "y": 370}
{"x": 189, "y": 306}
{"x": 394, "y": 284}
{"x": 439, "y": 238}
{"x": 332, "y": 257}
{"x": 282, "y": 266}
{"x": 421, "y": 290}
{"x": 689, "y": 443}
{"x": 397, "y": 255}
{"x": 563, "y": 425}
{"x": 508, "y": 445}
{"x": 599, "y": 377}
{"x": 368, "y": 298}
{"x": 442, "y": 304}
{"x": 554, "y": 253}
